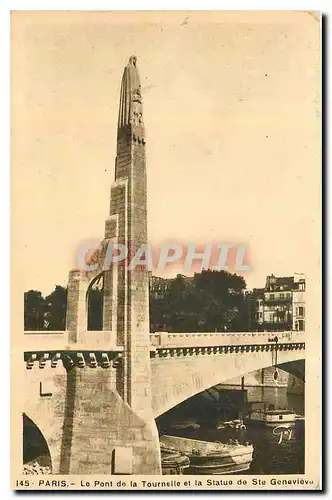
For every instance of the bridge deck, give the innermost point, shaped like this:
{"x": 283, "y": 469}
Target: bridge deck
{"x": 101, "y": 341}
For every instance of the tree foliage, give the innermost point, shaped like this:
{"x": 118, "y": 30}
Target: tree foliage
{"x": 56, "y": 307}
{"x": 45, "y": 313}
{"x": 211, "y": 301}
{"x": 34, "y": 310}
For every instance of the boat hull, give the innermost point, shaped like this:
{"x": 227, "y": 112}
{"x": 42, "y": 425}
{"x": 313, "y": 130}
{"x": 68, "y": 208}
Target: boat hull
{"x": 216, "y": 469}
{"x": 270, "y": 424}
{"x": 173, "y": 462}
{"x": 211, "y": 458}
{"x": 220, "y": 464}
{"x": 271, "y": 418}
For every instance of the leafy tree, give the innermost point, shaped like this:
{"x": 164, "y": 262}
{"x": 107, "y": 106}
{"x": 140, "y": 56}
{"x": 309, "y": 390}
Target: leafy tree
{"x": 56, "y": 307}
{"x": 211, "y": 301}
{"x": 34, "y": 310}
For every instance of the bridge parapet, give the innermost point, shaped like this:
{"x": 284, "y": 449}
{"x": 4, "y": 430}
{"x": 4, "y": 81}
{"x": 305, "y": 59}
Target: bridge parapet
{"x": 59, "y": 340}
{"x": 45, "y": 340}
{"x": 42, "y": 341}
{"x": 165, "y": 339}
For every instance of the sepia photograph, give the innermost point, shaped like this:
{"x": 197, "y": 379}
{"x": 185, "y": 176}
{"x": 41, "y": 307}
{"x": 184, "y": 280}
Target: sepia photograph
{"x": 166, "y": 250}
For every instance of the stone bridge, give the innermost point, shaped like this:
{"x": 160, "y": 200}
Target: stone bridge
{"x": 182, "y": 365}
{"x": 186, "y": 364}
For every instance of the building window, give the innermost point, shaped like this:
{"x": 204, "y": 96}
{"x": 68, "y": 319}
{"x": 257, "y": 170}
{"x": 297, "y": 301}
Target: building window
{"x": 288, "y": 295}
{"x": 271, "y": 295}
{"x": 301, "y": 324}
{"x": 301, "y": 286}
{"x": 300, "y": 311}
{"x": 260, "y": 315}
{"x": 281, "y": 295}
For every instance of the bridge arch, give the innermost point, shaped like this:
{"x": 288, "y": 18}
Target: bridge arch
{"x": 35, "y": 446}
{"x": 45, "y": 404}
{"x": 177, "y": 378}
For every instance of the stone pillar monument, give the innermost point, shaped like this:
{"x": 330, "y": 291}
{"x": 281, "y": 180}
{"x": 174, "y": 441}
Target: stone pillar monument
{"x": 126, "y": 309}
{"x": 112, "y": 406}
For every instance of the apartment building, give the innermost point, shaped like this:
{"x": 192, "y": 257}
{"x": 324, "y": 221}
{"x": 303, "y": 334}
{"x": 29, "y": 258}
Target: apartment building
{"x": 280, "y": 305}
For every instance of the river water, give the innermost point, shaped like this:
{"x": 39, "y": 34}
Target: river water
{"x": 273, "y": 454}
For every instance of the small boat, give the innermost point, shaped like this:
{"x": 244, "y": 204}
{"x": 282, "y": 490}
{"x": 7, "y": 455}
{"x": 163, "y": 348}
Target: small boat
{"x": 211, "y": 457}
{"x": 284, "y": 417}
{"x": 231, "y": 424}
{"x": 186, "y": 424}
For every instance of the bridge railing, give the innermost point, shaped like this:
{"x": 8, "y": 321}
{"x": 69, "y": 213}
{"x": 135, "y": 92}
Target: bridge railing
{"x": 44, "y": 340}
{"x": 105, "y": 340}
{"x": 164, "y": 339}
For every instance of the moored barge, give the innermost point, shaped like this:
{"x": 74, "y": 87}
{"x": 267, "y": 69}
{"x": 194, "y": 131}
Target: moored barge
{"x": 211, "y": 457}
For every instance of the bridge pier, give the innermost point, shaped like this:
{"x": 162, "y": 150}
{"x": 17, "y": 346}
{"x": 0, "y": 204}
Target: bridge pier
{"x": 101, "y": 433}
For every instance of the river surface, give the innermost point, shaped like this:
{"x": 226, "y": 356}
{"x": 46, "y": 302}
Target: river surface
{"x": 273, "y": 454}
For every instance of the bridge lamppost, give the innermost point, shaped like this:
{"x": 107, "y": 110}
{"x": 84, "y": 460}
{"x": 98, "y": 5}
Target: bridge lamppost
{"x": 275, "y": 361}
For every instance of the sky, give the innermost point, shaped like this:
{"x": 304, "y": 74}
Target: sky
{"x": 232, "y": 112}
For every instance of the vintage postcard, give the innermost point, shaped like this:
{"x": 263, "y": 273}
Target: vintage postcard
{"x": 166, "y": 250}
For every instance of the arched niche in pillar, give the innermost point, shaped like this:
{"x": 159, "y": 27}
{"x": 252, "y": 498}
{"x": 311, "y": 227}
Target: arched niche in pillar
{"x": 94, "y": 303}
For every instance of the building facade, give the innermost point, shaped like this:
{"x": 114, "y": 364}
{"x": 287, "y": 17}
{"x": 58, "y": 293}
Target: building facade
{"x": 280, "y": 305}
{"x": 159, "y": 286}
